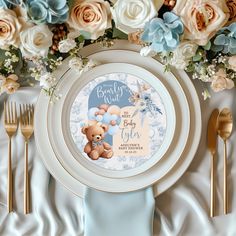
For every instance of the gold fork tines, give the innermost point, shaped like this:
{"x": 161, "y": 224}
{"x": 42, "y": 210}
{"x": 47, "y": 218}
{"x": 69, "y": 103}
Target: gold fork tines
{"x": 10, "y": 123}
{"x": 27, "y": 129}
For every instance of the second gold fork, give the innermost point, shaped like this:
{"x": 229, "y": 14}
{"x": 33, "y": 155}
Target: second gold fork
{"x": 27, "y": 129}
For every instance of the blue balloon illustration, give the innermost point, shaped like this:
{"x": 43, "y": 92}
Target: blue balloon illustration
{"x": 114, "y": 117}
{"x": 113, "y": 129}
{"x": 107, "y": 118}
{"x": 118, "y": 121}
{"x": 99, "y": 118}
{"x": 91, "y": 113}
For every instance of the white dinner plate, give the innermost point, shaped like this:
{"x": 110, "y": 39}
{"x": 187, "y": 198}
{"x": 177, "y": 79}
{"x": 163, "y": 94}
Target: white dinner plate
{"x": 149, "y": 140}
{"x": 132, "y": 183}
{"x": 164, "y": 183}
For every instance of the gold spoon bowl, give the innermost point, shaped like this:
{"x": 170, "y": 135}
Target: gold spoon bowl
{"x": 225, "y": 126}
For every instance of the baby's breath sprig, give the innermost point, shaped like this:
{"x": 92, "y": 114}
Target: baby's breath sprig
{"x": 53, "y": 63}
{"x": 104, "y": 42}
{"x": 10, "y": 61}
{"x": 165, "y": 59}
{"x": 107, "y": 40}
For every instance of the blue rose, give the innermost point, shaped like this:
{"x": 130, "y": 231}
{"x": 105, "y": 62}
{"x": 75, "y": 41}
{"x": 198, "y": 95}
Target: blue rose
{"x": 163, "y": 34}
{"x": 48, "y": 11}
{"x": 5, "y": 4}
{"x": 225, "y": 41}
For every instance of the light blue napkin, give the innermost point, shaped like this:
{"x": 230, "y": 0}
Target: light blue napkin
{"x": 119, "y": 214}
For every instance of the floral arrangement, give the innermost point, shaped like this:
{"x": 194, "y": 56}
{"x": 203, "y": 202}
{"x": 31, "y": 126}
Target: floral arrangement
{"x": 198, "y": 36}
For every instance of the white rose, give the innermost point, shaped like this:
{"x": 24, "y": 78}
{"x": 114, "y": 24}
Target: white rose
{"x": 129, "y": 16}
{"x": 76, "y": 63}
{"x": 147, "y": 52}
{"x": 47, "y": 80}
{"x": 66, "y": 45}
{"x": 232, "y": 63}
{"x": 35, "y": 41}
{"x": 221, "y": 82}
{"x": 183, "y": 54}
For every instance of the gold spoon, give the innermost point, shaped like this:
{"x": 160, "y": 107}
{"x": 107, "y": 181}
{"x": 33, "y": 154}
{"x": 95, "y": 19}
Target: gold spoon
{"x": 225, "y": 126}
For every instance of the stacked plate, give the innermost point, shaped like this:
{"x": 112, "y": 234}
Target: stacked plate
{"x": 122, "y": 126}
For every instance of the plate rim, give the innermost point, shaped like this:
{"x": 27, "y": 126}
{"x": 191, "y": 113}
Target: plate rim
{"x": 166, "y": 181}
{"x": 116, "y": 68}
{"x": 74, "y": 174}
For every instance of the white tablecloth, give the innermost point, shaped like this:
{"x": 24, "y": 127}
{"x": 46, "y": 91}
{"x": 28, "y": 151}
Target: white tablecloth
{"x": 181, "y": 210}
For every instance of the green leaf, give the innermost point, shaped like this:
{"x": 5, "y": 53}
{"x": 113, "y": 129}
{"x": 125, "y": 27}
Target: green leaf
{"x": 197, "y": 57}
{"x": 190, "y": 68}
{"x": 119, "y": 34}
{"x": 86, "y": 35}
{"x": 207, "y": 46}
{"x": 2, "y": 55}
{"x": 80, "y": 39}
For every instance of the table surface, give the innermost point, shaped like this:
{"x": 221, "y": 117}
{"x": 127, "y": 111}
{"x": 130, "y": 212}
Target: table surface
{"x": 181, "y": 210}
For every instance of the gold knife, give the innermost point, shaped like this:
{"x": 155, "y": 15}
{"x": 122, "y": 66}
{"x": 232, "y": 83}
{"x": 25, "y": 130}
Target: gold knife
{"x": 211, "y": 143}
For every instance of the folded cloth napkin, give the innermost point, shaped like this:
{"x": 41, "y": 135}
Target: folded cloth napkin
{"x": 118, "y": 214}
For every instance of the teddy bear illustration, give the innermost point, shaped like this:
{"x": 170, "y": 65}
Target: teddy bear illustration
{"x": 96, "y": 146}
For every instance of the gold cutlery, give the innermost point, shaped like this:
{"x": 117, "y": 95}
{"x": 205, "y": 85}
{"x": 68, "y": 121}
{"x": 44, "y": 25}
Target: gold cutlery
{"x": 27, "y": 129}
{"x": 225, "y": 126}
{"x": 212, "y": 142}
{"x": 11, "y": 124}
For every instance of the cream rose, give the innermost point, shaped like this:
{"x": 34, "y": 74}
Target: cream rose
{"x": 202, "y": 19}
{"x": 232, "y": 63}
{"x": 183, "y": 54}
{"x": 92, "y": 16}
{"x": 9, "y": 84}
{"x": 10, "y": 27}
{"x": 130, "y": 16}
{"x": 221, "y": 82}
{"x": 35, "y": 41}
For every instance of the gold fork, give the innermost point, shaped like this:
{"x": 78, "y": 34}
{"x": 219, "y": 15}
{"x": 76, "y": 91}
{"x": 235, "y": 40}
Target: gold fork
{"x": 27, "y": 129}
{"x": 11, "y": 124}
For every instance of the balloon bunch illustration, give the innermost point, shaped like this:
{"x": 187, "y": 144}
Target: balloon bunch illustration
{"x": 106, "y": 114}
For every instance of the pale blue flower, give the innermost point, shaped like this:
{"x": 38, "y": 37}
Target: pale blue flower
{"x": 48, "y": 11}
{"x": 163, "y": 34}
{"x": 225, "y": 41}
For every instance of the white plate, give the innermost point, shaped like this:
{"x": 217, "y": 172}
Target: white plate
{"x": 164, "y": 183}
{"x": 63, "y": 108}
{"x": 134, "y": 182}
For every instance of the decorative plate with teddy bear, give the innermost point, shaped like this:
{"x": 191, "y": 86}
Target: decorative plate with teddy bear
{"x": 71, "y": 165}
{"x": 121, "y": 121}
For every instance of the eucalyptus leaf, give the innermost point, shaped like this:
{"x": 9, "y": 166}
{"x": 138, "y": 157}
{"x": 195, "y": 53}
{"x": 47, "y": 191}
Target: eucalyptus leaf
{"x": 190, "y": 68}
{"x": 2, "y": 55}
{"x": 119, "y": 34}
{"x": 85, "y": 34}
{"x": 80, "y": 39}
{"x": 197, "y": 57}
{"x": 207, "y": 46}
